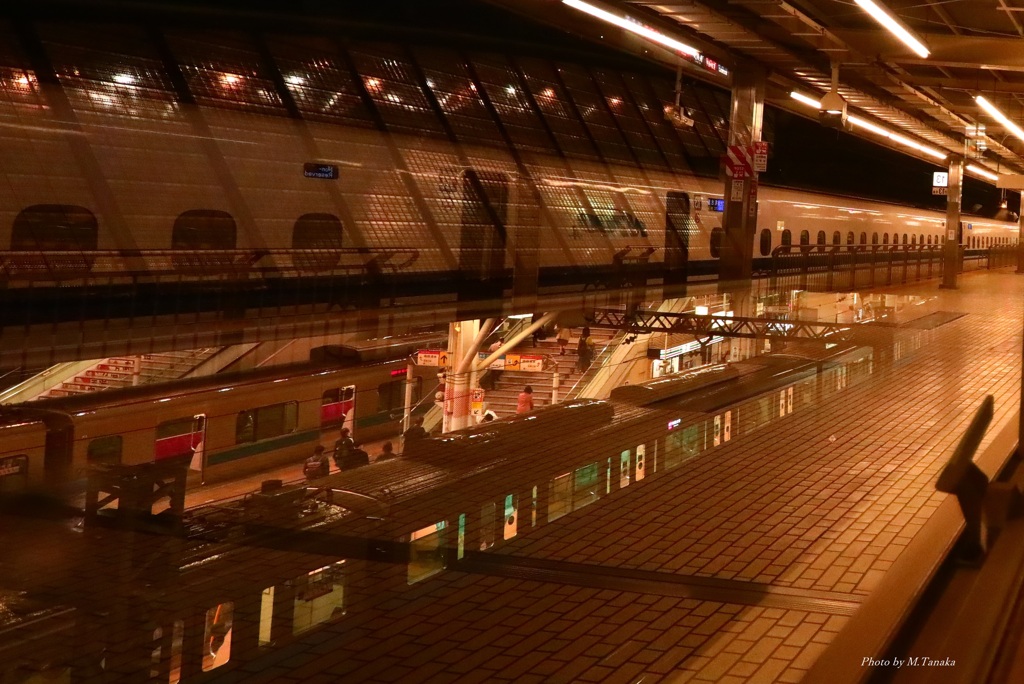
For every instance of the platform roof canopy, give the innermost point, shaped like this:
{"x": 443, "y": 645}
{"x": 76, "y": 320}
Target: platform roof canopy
{"x": 974, "y": 47}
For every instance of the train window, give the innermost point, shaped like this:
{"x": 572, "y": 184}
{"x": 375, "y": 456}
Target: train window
{"x": 929, "y": 239}
{"x": 850, "y": 238}
{"x": 766, "y": 242}
{"x": 821, "y": 239}
{"x": 885, "y": 238}
{"x": 805, "y": 238}
{"x": 336, "y": 405}
{"x": 716, "y": 242}
{"x": 904, "y": 238}
{"x": 874, "y": 238}
{"x": 316, "y": 232}
{"x": 836, "y": 237}
{"x": 391, "y": 395}
{"x": 253, "y": 425}
{"x": 787, "y": 237}
{"x": 487, "y": 517}
{"x": 920, "y": 239}
{"x": 203, "y": 230}
{"x": 13, "y": 473}
{"x": 54, "y": 227}
{"x": 177, "y": 437}
{"x": 913, "y": 239}
{"x": 426, "y": 552}
{"x": 217, "y": 641}
{"x": 863, "y": 238}
{"x": 104, "y": 450}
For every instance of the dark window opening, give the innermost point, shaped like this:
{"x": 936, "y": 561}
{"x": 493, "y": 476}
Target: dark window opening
{"x": 104, "y": 450}
{"x": 203, "y": 232}
{"x": 391, "y": 395}
{"x": 54, "y": 228}
{"x": 319, "y": 232}
{"x": 266, "y": 422}
{"x": 717, "y": 235}
{"x": 766, "y": 242}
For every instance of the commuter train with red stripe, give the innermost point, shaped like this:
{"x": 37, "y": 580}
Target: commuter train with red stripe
{"x": 224, "y": 425}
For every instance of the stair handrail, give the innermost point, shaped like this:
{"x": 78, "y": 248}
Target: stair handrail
{"x": 601, "y": 360}
{"x": 56, "y": 374}
{"x": 608, "y": 372}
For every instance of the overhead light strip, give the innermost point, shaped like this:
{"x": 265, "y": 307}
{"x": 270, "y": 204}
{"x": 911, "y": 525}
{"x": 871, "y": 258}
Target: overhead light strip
{"x": 633, "y": 26}
{"x": 893, "y": 25}
{"x": 978, "y": 171}
{"x": 996, "y": 114}
{"x": 877, "y": 130}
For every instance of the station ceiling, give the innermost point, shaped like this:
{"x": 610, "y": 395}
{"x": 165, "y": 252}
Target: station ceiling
{"x": 976, "y": 47}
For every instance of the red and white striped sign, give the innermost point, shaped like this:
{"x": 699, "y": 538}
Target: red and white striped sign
{"x": 739, "y": 161}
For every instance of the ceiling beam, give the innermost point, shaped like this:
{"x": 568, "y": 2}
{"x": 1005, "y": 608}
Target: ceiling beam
{"x": 969, "y": 52}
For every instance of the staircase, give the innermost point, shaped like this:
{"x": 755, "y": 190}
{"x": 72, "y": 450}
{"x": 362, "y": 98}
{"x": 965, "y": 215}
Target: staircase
{"x": 118, "y": 371}
{"x": 504, "y": 397}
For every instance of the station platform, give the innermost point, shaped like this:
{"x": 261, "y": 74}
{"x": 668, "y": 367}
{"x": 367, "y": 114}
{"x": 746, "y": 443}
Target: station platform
{"x": 743, "y": 566}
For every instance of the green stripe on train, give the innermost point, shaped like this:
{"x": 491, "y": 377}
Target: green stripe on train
{"x": 263, "y": 446}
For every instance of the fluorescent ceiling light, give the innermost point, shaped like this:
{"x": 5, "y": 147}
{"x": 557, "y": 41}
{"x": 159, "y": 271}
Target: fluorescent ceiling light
{"x": 877, "y": 130}
{"x": 892, "y": 24}
{"x": 999, "y": 116}
{"x": 810, "y": 101}
{"x": 633, "y": 26}
{"x": 978, "y": 171}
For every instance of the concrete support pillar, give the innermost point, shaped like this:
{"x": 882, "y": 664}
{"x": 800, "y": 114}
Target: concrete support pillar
{"x": 951, "y": 247}
{"x": 1020, "y": 235}
{"x": 462, "y": 342}
{"x": 740, "y": 217}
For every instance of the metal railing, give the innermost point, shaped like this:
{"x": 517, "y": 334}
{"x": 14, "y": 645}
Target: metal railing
{"x": 826, "y": 268}
{"x": 97, "y": 267}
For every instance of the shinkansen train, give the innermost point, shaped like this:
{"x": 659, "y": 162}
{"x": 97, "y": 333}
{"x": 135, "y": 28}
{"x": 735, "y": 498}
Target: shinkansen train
{"x": 226, "y": 424}
{"x": 212, "y": 169}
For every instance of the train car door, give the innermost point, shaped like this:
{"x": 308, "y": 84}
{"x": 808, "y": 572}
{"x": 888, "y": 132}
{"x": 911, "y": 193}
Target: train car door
{"x": 13, "y": 474}
{"x": 677, "y": 242}
{"x": 337, "y": 409}
{"x": 57, "y": 452}
{"x": 181, "y": 438}
{"x": 198, "y": 461}
{"x": 511, "y": 528}
{"x": 483, "y": 236}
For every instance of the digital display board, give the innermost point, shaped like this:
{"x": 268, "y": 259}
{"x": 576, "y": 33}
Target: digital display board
{"x": 328, "y": 171}
{"x": 716, "y": 204}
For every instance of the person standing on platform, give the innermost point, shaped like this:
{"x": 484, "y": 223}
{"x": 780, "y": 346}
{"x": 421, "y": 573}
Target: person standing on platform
{"x": 317, "y": 465}
{"x": 387, "y": 452}
{"x": 525, "y": 402}
{"x": 413, "y": 435}
{"x": 585, "y": 350}
{"x": 343, "y": 448}
{"x": 563, "y": 340}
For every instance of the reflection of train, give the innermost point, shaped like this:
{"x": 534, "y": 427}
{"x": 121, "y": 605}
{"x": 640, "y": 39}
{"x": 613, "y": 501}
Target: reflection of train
{"x": 477, "y": 489}
{"x": 560, "y": 172}
{"x": 228, "y": 423}
{"x": 406, "y": 520}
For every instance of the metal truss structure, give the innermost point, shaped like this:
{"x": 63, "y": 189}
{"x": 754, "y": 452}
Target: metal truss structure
{"x": 642, "y": 322}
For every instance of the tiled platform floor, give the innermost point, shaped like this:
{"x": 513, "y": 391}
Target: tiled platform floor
{"x": 823, "y": 502}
